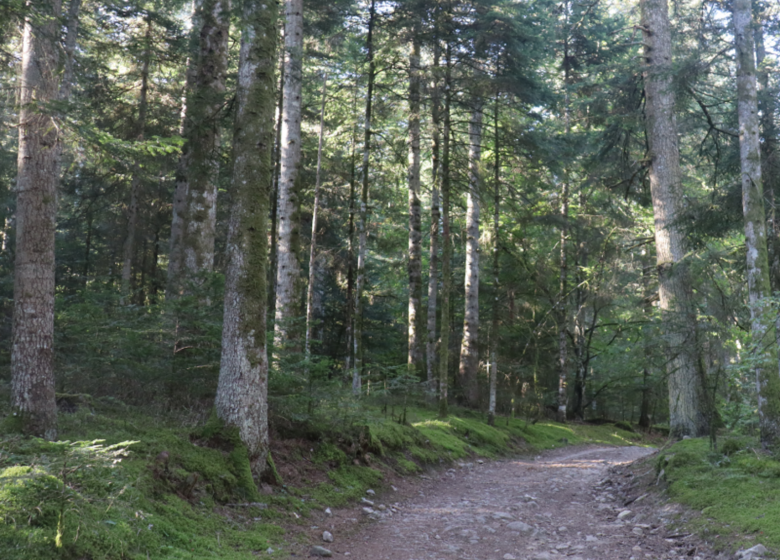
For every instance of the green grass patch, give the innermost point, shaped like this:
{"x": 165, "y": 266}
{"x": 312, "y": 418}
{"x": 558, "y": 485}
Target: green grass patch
{"x": 737, "y": 490}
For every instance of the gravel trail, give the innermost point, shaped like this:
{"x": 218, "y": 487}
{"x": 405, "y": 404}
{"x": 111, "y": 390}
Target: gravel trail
{"x": 567, "y": 503}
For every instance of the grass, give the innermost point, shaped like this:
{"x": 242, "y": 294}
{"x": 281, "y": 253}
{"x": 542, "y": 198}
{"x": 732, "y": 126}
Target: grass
{"x": 106, "y": 493}
{"x": 737, "y": 490}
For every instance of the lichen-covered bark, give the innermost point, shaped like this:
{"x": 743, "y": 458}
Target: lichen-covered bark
{"x": 32, "y": 374}
{"x": 468, "y": 368}
{"x": 446, "y": 244}
{"x": 687, "y": 398}
{"x": 287, "y": 266}
{"x": 194, "y": 219}
{"x": 314, "y": 265}
{"x": 360, "y": 281}
{"x": 414, "y": 330}
{"x": 762, "y": 322}
{"x": 243, "y": 374}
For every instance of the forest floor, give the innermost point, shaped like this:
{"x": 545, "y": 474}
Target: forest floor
{"x": 581, "y": 502}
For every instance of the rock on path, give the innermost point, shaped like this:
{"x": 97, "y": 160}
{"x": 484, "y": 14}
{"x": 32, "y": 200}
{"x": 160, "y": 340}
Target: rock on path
{"x": 558, "y": 506}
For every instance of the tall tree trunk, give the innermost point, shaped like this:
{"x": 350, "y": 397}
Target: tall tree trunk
{"x": 313, "y": 256}
{"x": 243, "y": 373}
{"x": 195, "y": 203}
{"x": 135, "y": 182}
{"x": 687, "y": 398}
{"x": 71, "y": 36}
{"x": 762, "y": 323}
{"x": 496, "y": 270}
{"x": 468, "y": 369}
{"x": 287, "y": 266}
{"x": 446, "y": 244}
{"x": 414, "y": 330}
{"x": 647, "y": 305}
{"x": 350, "y": 300}
{"x": 38, "y": 166}
{"x": 563, "y": 312}
{"x": 770, "y": 156}
{"x": 433, "y": 260}
{"x": 357, "y": 344}
{"x": 273, "y": 231}
{"x": 581, "y": 351}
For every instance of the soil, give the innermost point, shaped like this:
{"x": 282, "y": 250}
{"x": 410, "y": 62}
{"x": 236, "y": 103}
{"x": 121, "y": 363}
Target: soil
{"x": 567, "y": 503}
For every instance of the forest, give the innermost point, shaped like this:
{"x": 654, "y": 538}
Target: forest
{"x": 273, "y": 216}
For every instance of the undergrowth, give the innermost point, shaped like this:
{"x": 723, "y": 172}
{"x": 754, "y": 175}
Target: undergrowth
{"x": 736, "y": 489}
{"x": 128, "y": 484}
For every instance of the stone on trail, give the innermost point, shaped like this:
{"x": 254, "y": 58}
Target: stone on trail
{"x": 757, "y": 551}
{"x": 520, "y": 527}
{"x": 502, "y": 515}
{"x": 320, "y": 551}
{"x": 328, "y": 512}
{"x": 370, "y": 492}
{"x": 508, "y": 556}
{"x": 623, "y": 514}
{"x": 327, "y": 536}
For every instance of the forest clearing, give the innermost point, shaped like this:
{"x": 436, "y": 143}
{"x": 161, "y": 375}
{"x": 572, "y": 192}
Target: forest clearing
{"x": 258, "y": 259}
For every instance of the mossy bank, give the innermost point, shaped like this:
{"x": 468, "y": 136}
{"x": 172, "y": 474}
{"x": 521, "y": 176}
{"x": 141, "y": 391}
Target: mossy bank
{"x": 127, "y": 484}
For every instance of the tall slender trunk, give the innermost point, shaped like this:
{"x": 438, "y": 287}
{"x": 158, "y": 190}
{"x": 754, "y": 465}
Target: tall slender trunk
{"x": 313, "y": 256}
{"x": 350, "y": 300}
{"x": 71, "y": 36}
{"x": 563, "y": 312}
{"x": 581, "y": 352}
{"x": 287, "y": 266}
{"x": 762, "y": 323}
{"x": 687, "y": 398}
{"x": 38, "y": 165}
{"x": 468, "y": 368}
{"x": 243, "y": 373}
{"x": 770, "y": 156}
{"x": 195, "y": 203}
{"x": 135, "y": 182}
{"x": 357, "y": 344}
{"x": 496, "y": 270}
{"x": 433, "y": 260}
{"x": 446, "y": 243}
{"x": 647, "y": 308}
{"x": 414, "y": 327}
{"x": 273, "y": 231}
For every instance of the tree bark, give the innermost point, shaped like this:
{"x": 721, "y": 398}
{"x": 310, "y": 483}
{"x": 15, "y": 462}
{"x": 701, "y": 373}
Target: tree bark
{"x": 563, "y": 312}
{"x": 468, "y": 368}
{"x": 496, "y": 270}
{"x": 687, "y": 398}
{"x": 194, "y": 224}
{"x": 287, "y": 266}
{"x": 433, "y": 260}
{"x": 243, "y": 375}
{"x": 313, "y": 256}
{"x": 414, "y": 326}
{"x": 357, "y": 345}
{"x": 135, "y": 182}
{"x": 762, "y": 323}
{"x": 446, "y": 243}
{"x": 38, "y": 165}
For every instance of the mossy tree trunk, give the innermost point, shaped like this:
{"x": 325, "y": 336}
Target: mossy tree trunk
{"x": 468, "y": 368}
{"x": 360, "y": 280}
{"x": 687, "y": 397}
{"x": 762, "y": 323}
{"x": 287, "y": 265}
{"x": 195, "y": 200}
{"x": 243, "y": 375}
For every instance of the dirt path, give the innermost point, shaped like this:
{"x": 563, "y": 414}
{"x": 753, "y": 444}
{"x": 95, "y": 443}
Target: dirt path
{"x": 563, "y": 504}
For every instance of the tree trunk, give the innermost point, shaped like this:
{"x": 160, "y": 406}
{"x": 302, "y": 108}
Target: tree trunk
{"x": 581, "y": 351}
{"x": 644, "y": 408}
{"x": 243, "y": 374}
{"x": 287, "y": 266}
{"x": 357, "y": 345}
{"x": 273, "y": 231}
{"x": 71, "y": 36}
{"x": 414, "y": 330}
{"x": 446, "y": 244}
{"x": 762, "y": 323}
{"x": 40, "y": 146}
{"x": 496, "y": 270}
{"x": 313, "y": 256}
{"x": 194, "y": 223}
{"x": 350, "y": 303}
{"x": 770, "y": 157}
{"x": 135, "y": 184}
{"x": 433, "y": 260}
{"x": 562, "y": 308}
{"x": 687, "y": 398}
{"x": 468, "y": 369}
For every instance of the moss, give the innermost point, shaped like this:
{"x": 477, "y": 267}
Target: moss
{"x": 731, "y": 446}
{"x": 407, "y": 467}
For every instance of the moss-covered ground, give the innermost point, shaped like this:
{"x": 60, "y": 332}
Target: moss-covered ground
{"x": 130, "y": 484}
{"x": 736, "y": 489}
